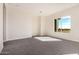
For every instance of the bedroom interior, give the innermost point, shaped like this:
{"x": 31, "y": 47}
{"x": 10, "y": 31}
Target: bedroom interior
{"x": 39, "y": 29}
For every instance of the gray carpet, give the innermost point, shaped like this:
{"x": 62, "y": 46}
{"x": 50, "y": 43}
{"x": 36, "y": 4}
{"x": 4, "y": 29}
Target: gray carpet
{"x": 32, "y": 46}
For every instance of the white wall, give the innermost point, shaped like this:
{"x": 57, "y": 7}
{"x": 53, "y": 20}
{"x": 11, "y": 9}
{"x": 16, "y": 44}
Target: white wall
{"x": 74, "y": 34}
{"x": 4, "y": 22}
{"x": 18, "y": 23}
{"x": 22, "y": 24}
{"x": 1, "y": 27}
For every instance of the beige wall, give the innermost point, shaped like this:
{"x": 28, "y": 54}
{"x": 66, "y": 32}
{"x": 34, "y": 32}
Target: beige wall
{"x": 38, "y": 25}
{"x": 35, "y": 26}
{"x": 42, "y": 25}
{"x": 18, "y": 23}
{"x": 1, "y": 27}
{"x": 73, "y": 35}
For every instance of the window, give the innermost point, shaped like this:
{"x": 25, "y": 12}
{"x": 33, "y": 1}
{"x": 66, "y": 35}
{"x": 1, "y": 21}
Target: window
{"x": 63, "y": 24}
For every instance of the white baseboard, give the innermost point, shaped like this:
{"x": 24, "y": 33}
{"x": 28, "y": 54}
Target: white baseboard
{"x": 17, "y": 38}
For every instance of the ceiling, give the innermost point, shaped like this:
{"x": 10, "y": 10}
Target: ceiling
{"x": 45, "y": 8}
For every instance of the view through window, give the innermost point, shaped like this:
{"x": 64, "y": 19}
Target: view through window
{"x": 63, "y": 24}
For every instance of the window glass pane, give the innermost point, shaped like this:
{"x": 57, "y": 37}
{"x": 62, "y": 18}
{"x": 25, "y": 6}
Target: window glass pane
{"x": 59, "y": 25}
{"x": 66, "y": 22}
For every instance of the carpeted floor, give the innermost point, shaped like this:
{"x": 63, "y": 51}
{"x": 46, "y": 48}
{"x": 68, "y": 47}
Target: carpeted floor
{"x": 32, "y": 46}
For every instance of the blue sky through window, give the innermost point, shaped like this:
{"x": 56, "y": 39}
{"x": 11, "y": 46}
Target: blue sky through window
{"x": 64, "y": 22}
